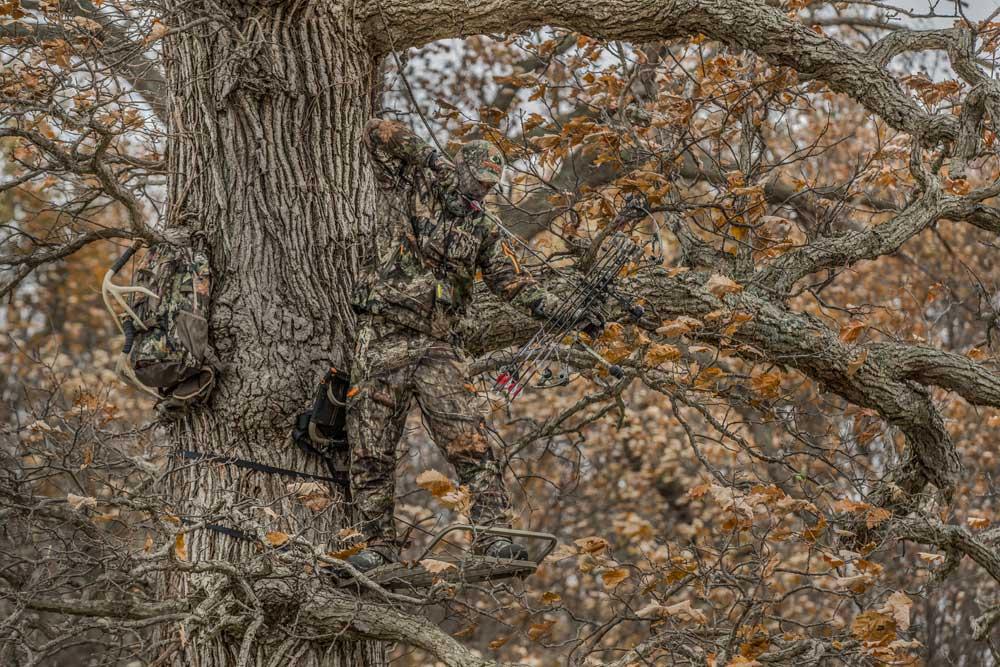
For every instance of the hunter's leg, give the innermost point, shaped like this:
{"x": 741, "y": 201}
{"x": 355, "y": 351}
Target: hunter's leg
{"x": 377, "y": 407}
{"x": 452, "y": 415}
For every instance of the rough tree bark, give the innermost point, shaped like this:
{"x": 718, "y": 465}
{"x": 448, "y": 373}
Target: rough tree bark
{"x": 265, "y": 109}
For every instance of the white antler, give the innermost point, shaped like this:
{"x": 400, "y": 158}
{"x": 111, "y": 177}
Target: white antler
{"x": 109, "y": 291}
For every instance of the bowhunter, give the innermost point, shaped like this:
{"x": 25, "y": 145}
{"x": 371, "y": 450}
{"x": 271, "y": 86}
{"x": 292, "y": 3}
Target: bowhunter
{"x": 407, "y": 345}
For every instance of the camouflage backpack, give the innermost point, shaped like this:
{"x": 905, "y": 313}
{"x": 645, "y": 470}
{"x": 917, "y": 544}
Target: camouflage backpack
{"x": 166, "y": 350}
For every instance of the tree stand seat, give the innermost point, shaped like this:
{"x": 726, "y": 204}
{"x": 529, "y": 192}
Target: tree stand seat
{"x": 469, "y": 570}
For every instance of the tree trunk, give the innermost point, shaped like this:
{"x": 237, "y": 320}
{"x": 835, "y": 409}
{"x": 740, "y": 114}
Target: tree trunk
{"x": 265, "y": 114}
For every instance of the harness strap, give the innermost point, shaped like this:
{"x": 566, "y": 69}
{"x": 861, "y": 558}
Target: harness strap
{"x": 224, "y": 530}
{"x": 340, "y": 477}
{"x": 235, "y": 533}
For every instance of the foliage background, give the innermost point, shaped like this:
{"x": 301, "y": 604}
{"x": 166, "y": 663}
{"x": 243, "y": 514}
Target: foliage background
{"x": 716, "y": 502}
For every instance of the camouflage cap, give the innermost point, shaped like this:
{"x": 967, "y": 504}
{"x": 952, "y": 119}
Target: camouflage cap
{"x": 481, "y": 160}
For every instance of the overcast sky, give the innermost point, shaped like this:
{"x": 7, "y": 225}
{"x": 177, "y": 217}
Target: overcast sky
{"x": 973, "y": 9}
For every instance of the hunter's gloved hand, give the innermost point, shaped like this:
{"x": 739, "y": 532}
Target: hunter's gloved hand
{"x": 436, "y": 162}
{"x": 546, "y": 306}
{"x": 590, "y": 321}
{"x": 636, "y": 207}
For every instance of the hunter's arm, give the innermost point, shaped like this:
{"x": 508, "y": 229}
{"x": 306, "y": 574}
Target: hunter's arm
{"x": 506, "y": 278}
{"x": 396, "y": 141}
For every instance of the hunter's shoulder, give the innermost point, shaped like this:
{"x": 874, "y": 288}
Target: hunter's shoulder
{"x": 382, "y": 131}
{"x": 384, "y": 126}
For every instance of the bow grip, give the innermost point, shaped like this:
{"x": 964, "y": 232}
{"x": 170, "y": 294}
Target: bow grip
{"x": 129, "y": 328}
{"x": 126, "y": 256}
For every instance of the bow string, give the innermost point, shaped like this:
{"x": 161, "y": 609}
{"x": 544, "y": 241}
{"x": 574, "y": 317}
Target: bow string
{"x": 588, "y": 295}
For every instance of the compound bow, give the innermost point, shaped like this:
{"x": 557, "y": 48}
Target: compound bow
{"x": 588, "y": 297}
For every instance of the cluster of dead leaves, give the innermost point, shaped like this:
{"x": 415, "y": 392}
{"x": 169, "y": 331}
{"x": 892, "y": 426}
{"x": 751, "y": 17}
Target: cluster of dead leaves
{"x": 313, "y": 495}
{"x": 879, "y": 629}
{"x": 452, "y": 496}
{"x": 741, "y": 508}
{"x": 872, "y": 516}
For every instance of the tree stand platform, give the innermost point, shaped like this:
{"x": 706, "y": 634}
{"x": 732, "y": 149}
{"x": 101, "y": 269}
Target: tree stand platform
{"x": 461, "y": 568}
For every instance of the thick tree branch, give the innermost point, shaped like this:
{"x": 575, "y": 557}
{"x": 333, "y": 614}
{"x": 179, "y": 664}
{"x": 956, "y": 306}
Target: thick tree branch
{"x": 899, "y": 42}
{"x": 118, "y": 609}
{"x": 748, "y": 24}
{"x": 972, "y": 381}
{"x": 852, "y": 247}
{"x": 330, "y": 611}
{"x": 873, "y": 379}
{"x": 949, "y": 537}
{"x": 25, "y": 263}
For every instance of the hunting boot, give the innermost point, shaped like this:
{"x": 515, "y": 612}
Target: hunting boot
{"x": 502, "y": 548}
{"x": 369, "y": 559}
{"x": 364, "y": 561}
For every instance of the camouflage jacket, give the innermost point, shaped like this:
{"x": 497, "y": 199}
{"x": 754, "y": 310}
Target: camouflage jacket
{"x": 429, "y": 272}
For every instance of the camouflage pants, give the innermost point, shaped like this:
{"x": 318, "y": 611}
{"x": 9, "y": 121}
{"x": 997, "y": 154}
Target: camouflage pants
{"x": 391, "y": 366}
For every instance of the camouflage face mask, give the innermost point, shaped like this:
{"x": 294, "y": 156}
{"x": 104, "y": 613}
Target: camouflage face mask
{"x": 479, "y": 166}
